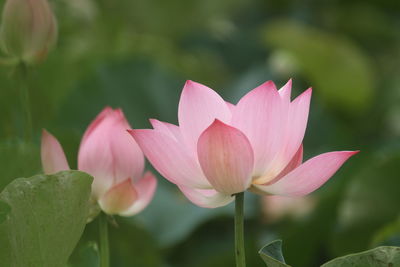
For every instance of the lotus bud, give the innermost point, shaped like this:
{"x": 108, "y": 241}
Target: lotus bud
{"x": 113, "y": 158}
{"x": 28, "y": 30}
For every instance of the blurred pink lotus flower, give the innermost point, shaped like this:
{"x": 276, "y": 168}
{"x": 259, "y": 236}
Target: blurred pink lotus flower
{"x": 220, "y": 149}
{"x": 113, "y": 158}
{"x": 275, "y": 208}
{"x": 28, "y": 30}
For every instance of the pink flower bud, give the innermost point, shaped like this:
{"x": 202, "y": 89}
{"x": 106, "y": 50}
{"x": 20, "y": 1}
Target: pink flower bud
{"x": 113, "y": 158}
{"x": 28, "y": 30}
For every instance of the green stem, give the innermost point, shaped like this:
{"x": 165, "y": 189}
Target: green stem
{"x": 239, "y": 236}
{"x": 22, "y": 76}
{"x": 104, "y": 249}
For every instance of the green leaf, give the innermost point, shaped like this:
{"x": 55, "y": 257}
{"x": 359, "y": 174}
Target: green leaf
{"x": 377, "y": 257}
{"x": 46, "y": 219}
{"x": 272, "y": 254}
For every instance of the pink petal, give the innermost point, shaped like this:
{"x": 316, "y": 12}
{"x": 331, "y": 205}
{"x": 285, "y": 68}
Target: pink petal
{"x": 260, "y": 116}
{"x": 226, "y": 157}
{"x": 167, "y": 128}
{"x": 293, "y": 134}
{"x": 119, "y": 198}
{"x": 109, "y": 153}
{"x": 230, "y": 106}
{"x": 286, "y": 91}
{"x": 296, "y": 124}
{"x": 199, "y": 106}
{"x": 309, "y": 176}
{"x": 52, "y": 154}
{"x": 293, "y": 164}
{"x": 145, "y": 188}
{"x": 206, "y": 198}
{"x": 107, "y": 111}
{"x": 170, "y": 158}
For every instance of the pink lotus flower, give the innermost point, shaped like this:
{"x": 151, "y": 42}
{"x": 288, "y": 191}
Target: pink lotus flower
{"x": 220, "y": 149}
{"x": 113, "y": 158}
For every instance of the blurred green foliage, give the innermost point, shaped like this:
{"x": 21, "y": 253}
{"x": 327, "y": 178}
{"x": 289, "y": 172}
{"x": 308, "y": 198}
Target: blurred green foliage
{"x": 137, "y": 55}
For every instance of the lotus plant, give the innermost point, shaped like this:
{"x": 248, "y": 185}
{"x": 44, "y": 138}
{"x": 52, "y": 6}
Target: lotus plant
{"x": 219, "y": 150}
{"x": 113, "y": 158}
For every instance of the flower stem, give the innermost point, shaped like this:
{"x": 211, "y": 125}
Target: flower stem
{"x": 239, "y": 236}
{"x": 22, "y": 78}
{"x": 104, "y": 249}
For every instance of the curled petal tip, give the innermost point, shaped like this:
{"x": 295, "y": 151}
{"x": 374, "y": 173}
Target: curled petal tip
{"x": 352, "y": 153}
{"x": 154, "y": 122}
{"x": 119, "y": 112}
{"x": 218, "y": 122}
{"x": 107, "y": 108}
{"x": 269, "y": 84}
{"x": 52, "y": 154}
{"x": 189, "y": 84}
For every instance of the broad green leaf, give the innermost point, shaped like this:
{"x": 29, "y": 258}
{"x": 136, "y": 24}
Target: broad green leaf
{"x": 377, "y": 257}
{"x": 272, "y": 254}
{"x": 336, "y": 67}
{"x": 47, "y": 217}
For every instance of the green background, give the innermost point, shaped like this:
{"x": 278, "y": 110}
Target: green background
{"x": 137, "y": 55}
